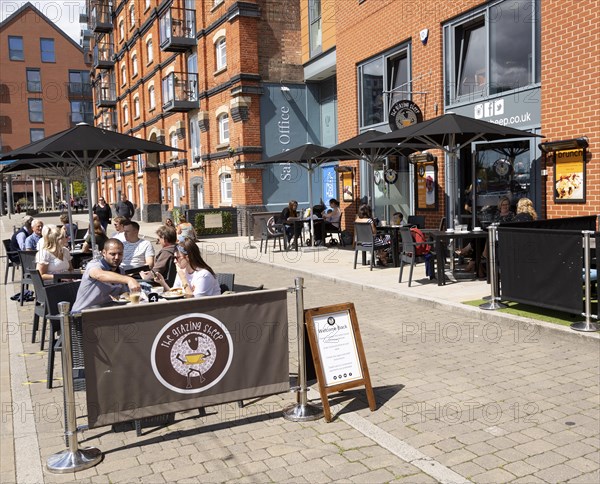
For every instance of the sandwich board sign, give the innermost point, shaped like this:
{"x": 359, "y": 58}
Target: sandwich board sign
{"x": 337, "y": 351}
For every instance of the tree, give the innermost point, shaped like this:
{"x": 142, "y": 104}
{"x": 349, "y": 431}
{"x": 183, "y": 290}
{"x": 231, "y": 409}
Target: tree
{"x": 79, "y": 189}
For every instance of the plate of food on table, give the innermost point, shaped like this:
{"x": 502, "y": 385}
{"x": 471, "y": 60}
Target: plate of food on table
{"x": 175, "y": 293}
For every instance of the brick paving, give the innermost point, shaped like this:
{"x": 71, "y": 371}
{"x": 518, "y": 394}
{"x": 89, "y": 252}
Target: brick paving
{"x": 489, "y": 401}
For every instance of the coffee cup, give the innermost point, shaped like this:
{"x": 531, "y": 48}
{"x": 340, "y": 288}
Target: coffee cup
{"x": 134, "y": 297}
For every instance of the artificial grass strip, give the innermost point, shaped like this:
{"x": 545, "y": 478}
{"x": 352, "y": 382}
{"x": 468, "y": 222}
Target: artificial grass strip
{"x": 535, "y": 312}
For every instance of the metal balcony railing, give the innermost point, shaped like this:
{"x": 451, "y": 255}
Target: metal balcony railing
{"x": 104, "y": 56}
{"x": 79, "y": 90}
{"x": 177, "y": 29}
{"x": 180, "y": 92}
{"x": 101, "y": 19}
{"x": 106, "y": 94}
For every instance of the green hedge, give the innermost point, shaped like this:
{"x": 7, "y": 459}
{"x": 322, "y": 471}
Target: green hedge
{"x": 227, "y": 227}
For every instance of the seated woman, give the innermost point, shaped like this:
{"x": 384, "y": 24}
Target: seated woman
{"x": 99, "y": 235}
{"x": 194, "y": 276}
{"x": 165, "y": 259}
{"x": 64, "y": 219}
{"x": 185, "y": 229}
{"x": 287, "y": 216}
{"x": 365, "y": 215}
{"x": 504, "y": 213}
{"x": 54, "y": 257}
{"x": 525, "y": 211}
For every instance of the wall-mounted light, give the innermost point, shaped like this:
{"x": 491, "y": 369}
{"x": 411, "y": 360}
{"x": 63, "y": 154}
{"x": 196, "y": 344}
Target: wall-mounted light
{"x": 287, "y": 94}
{"x": 567, "y": 144}
{"x": 423, "y": 157}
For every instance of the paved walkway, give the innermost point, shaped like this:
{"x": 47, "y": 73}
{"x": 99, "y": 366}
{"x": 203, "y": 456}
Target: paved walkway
{"x": 462, "y": 394}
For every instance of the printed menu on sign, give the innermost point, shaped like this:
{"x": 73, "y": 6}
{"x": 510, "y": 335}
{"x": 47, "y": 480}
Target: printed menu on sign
{"x": 337, "y": 348}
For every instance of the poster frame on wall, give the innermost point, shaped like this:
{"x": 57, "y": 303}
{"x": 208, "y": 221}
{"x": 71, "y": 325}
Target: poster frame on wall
{"x": 422, "y": 169}
{"x": 566, "y": 169}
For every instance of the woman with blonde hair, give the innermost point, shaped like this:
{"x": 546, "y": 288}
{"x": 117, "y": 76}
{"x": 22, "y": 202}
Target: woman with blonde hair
{"x": 54, "y": 257}
{"x": 525, "y": 211}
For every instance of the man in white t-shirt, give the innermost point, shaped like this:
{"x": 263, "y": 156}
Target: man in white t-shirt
{"x": 137, "y": 252}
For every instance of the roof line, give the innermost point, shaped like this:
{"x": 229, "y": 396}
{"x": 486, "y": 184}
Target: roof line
{"x": 9, "y": 20}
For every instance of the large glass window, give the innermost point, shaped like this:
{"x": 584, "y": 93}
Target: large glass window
{"x": 195, "y": 140}
{"x": 47, "y": 50}
{"x": 81, "y": 112}
{"x": 225, "y": 188}
{"x": 15, "y": 48}
{"x": 173, "y": 141}
{"x": 314, "y": 20}
{"x": 34, "y": 80}
{"x": 494, "y": 50}
{"x": 36, "y": 134}
{"x": 383, "y": 81}
{"x": 36, "y": 110}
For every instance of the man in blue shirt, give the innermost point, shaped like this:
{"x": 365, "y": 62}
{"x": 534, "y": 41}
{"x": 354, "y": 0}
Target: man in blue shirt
{"x": 17, "y": 241}
{"x": 32, "y": 241}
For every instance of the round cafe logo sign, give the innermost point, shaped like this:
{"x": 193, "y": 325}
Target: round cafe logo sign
{"x": 192, "y": 353}
{"x": 404, "y": 113}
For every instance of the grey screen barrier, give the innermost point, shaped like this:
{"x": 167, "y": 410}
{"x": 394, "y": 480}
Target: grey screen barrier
{"x": 541, "y": 267}
{"x": 587, "y": 222}
{"x": 156, "y": 358}
{"x": 256, "y": 222}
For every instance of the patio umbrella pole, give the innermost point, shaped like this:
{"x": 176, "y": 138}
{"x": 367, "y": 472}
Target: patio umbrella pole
{"x": 70, "y": 215}
{"x": 88, "y": 183}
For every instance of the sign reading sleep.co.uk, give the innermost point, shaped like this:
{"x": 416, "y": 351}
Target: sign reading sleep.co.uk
{"x": 520, "y": 109}
{"x": 287, "y": 114}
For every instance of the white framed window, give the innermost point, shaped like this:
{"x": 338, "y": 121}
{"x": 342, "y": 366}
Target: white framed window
{"x": 149, "y": 51}
{"x": 221, "y": 53}
{"x": 151, "y": 98}
{"x": 195, "y": 140}
{"x": 146, "y": 4}
{"x": 125, "y": 114}
{"x": 131, "y": 16}
{"x": 223, "y": 122}
{"x": 174, "y": 141}
{"x": 314, "y": 20}
{"x": 134, "y": 65}
{"x": 123, "y": 75}
{"x": 225, "y": 188}
{"x": 140, "y": 165}
{"x": 121, "y": 30}
{"x": 136, "y": 107}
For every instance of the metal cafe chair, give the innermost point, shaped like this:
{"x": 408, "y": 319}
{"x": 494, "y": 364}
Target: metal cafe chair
{"x": 226, "y": 281}
{"x": 27, "y": 259}
{"x": 365, "y": 242}
{"x": 418, "y": 220}
{"x": 12, "y": 260}
{"x": 408, "y": 254}
{"x": 274, "y": 232}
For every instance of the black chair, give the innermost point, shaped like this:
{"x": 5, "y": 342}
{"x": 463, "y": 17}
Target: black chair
{"x": 274, "y": 232}
{"x": 27, "y": 262}
{"x": 226, "y": 281}
{"x": 418, "y": 220}
{"x": 56, "y": 293}
{"x": 365, "y": 242}
{"x": 408, "y": 254}
{"x": 40, "y": 309}
{"x": 12, "y": 260}
{"x": 330, "y": 230}
{"x": 442, "y": 226}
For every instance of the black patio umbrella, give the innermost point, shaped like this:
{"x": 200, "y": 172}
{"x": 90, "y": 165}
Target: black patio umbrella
{"x": 363, "y": 147}
{"x": 449, "y": 133}
{"x": 87, "y": 147}
{"x": 305, "y": 156}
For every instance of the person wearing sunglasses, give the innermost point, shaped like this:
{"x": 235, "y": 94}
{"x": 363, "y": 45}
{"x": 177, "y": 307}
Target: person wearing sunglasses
{"x": 194, "y": 275}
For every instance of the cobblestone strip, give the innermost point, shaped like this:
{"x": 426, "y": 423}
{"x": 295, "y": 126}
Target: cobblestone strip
{"x": 401, "y": 449}
{"x": 27, "y": 456}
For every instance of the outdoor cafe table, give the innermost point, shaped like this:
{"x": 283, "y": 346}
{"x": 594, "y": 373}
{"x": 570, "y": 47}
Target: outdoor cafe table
{"x": 394, "y": 231}
{"x": 62, "y": 276}
{"x": 299, "y": 224}
{"x": 443, "y": 238}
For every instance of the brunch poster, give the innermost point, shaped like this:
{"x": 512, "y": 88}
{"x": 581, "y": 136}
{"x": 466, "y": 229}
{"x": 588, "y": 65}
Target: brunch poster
{"x": 569, "y": 176}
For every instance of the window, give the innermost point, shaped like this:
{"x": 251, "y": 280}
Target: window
{"x": 131, "y": 16}
{"x": 125, "y": 114}
{"x": 221, "y": 53}
{"x": 121, "y": 30}
{"x": 134, "y": 65}
{"x": 140, "y": 164}
{"x": 36, "y": 110}
{"x": 225, "y": 188}
{"x": 223, "y": 120}
{"x": 34, "y": 80}
{"x": 314, "y": 20}
{"x": 47, "y": 50}
{"x": 82, "y": 112}
{"x": 149, "y": 51}
{"x": 15, "y": 48}
{"x": 484, "y": 57}
{"x": 151, "y": 98}
{"x": 123, "y": 75}
{"x": 36, "y": 134}
{"x": 195, "y": 140}
{"x": 216, "y": 3}
{"x": 136, "y": 107}
{"x": 382, "y": 82}
{"x": 173, "y": 141}
{"x": 146, "y": 4}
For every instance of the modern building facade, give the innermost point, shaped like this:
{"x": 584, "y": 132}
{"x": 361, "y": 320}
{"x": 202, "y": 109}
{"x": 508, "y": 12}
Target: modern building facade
{"x": 511, "y": 62}
{"x": 44, "y": 88}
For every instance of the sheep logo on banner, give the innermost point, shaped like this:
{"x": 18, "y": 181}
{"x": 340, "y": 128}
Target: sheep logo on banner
{"x": 192, "y": 353}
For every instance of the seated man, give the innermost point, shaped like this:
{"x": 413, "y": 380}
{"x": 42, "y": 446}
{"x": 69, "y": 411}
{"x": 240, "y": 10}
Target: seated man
{"x": 31, "y": 242}
{"x": 137, "y": 252}
{"x": 165, "y": 259}
{"x": 103, "y": 278}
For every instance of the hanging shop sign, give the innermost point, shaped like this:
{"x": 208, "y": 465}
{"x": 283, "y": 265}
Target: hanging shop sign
{"x": 337, "y": 351}
{"x": 426, "y": 185}
{"x": 404, "y": 113}
{"x": 569, "y": 176}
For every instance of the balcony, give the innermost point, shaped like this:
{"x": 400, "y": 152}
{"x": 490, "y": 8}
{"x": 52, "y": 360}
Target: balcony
{"x": 79, "y": 117}
{"x": 106, "y": 95}
{"x": 104, "y": 56}
{"x": 107, "y": 119}
{"x": 79, "y": 90}
{"x": 178, "y": 30}
{"x": 180, "y": 92}
{"x": 100, "y": 19}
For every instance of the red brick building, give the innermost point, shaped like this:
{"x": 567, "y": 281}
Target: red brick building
{"x": 44, "y": 88}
